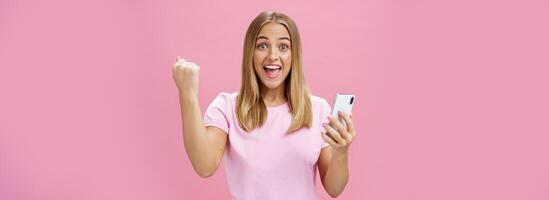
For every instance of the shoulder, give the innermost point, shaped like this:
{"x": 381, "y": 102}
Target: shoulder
{"x": 224, "y": 100}
{"x": 227, "y": 96}
{"x": 320, "y": 108}
{"x": 319, "y": 103}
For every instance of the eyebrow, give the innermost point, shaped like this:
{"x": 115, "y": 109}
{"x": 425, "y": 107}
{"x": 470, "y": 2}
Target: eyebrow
{"x": 280, "y": 38}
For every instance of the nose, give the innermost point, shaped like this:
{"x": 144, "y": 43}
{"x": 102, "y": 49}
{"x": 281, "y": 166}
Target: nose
{"x": 273, "y": 55}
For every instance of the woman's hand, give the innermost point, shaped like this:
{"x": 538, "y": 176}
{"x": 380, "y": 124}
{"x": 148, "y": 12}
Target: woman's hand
{"x": 185, "y": 75}
{"x": 338, "y": 135}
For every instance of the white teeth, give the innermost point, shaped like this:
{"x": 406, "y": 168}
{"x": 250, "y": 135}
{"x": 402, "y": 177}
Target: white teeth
{"x": 272, "y": 67}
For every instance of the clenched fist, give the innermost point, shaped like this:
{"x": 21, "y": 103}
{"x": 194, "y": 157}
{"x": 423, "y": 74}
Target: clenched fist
{"x": 185, "y": 75}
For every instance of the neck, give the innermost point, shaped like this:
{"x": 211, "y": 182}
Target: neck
{"x": 273, "y": 97}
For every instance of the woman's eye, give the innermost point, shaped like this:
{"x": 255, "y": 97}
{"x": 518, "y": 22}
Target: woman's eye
{"x": 262, "y": 46}
{"x": 284, "y": 47}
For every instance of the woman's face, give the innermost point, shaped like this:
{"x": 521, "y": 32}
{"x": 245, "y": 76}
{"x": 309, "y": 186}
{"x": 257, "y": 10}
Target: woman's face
{"x": 272, "y": 55}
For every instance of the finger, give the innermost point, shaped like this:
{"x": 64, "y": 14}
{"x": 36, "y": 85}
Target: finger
{"x": 175, "y": 66}
{"x": 195, "y": 66}
{"x": 334, "y": 134}
{"x": 341, "y": 128}
{"x": 349, "y": 123}
{"x": 340, "y": 115}
{"x": 185, "y": 64}
{"x": 337, "y": 125}
{"x": 328, "y": 139}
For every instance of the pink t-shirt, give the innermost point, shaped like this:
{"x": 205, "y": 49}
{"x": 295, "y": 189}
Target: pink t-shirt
{"x": 265, "y": 163}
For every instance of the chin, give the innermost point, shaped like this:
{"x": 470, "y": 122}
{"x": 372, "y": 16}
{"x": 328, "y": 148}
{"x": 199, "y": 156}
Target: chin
{"x": 272, "y": 85}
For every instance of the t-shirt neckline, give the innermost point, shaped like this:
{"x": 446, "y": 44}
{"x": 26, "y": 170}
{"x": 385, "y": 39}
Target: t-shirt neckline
{"x": 285, "y": 104}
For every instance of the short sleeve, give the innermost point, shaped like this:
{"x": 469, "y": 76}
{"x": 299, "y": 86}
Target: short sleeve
{"x": 326, "y": 110}
{"x": 216, "y": 113}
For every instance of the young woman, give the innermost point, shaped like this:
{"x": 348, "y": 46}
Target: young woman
{"x": 272, "y": 134}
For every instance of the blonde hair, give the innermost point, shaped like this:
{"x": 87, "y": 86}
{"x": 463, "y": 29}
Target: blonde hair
{"x": 251, "y": 110}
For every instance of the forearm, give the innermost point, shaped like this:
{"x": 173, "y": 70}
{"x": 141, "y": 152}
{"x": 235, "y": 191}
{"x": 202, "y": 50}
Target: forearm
{"x": 337, "y": 174}
{"x": 195, "y": 137}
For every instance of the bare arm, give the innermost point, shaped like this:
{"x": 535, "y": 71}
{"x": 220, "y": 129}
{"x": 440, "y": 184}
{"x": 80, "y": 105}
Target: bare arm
{"x": 204, "y": 145}
{"x": 334, "y": 172}
{"x": 333, "y": 164}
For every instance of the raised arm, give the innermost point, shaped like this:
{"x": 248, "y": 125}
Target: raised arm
{"x": 204, "y": 145}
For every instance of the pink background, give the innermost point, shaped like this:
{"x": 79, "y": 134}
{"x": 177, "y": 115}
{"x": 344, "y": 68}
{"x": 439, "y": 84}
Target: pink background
{"x": 451, "y": 95}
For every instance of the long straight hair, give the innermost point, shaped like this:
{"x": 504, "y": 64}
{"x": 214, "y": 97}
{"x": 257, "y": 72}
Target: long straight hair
{"x": 251, "y": 110}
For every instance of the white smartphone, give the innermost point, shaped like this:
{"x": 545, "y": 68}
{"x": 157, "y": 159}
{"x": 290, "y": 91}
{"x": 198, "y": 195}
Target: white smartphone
{"x": 343, "y": 102}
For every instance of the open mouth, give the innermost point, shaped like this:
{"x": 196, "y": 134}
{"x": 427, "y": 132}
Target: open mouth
{"x": 272, "y": 71}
